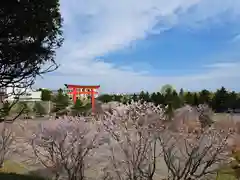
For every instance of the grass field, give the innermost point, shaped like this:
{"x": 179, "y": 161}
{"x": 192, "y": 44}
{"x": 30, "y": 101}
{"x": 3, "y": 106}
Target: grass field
{"x": 222, "y": 116}
{"x": 13, "y": 167}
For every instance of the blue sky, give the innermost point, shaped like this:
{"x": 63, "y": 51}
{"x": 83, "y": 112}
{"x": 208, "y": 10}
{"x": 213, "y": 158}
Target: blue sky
{"x": 129, "y": 46}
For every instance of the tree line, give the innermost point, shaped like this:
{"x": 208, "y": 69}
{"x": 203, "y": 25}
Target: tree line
{"x": 221, "y": 100}
{"x": 61, "y": 101}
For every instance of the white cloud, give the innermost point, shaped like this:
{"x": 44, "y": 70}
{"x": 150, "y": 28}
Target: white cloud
{"x": 223, "y": 65}
{"x": 128, "y": 81}
{"x": 235, "y": 39}
{"x": 96, "y": 27}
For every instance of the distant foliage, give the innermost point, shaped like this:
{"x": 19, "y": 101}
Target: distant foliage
{"x": 39, "y": 109}
{"x": 78, "y": 107}
{"x": 219, "y": 101}
{"x": 61, "y": 101}
{"x": 106, "y": 98}
{"x": 46, "y": 95}
{"x": 166, "y": 89}
{"x": 5, "y": 109}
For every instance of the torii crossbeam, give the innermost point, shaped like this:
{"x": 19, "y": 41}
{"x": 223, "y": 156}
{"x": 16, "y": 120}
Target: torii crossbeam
{"x": 91, "y": 90}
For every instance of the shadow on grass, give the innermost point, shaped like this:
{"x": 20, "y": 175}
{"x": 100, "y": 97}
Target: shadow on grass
{"x": 45, "y": 173}
{"x": 14, "y": 176}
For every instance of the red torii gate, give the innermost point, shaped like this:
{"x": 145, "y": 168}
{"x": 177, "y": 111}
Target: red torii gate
{"x": 74, "y": 92}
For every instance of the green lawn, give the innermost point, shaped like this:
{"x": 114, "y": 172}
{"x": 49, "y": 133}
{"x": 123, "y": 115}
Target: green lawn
{"x": 226, "y": 174}
{"x": 15, "y": 171}
{"x": 13, "y": 167}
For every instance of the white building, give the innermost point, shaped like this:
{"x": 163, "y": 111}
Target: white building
{"x": 22, "y": 94}
{"x": 31, "y": 96}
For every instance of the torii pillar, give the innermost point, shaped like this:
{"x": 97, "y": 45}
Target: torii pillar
{"x": 75, "y": 92}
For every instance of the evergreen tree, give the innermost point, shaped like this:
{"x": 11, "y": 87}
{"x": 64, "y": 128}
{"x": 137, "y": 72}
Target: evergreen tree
{"x": 61, "y": 101}
{"x": 189, "y": 98}
{"x": 172, "y": 99}
{"x": 232, "y": 100}
{"x": 195, "y": 99}
{"x": 146, "y": 97}
{"x": 237, "y": 106}
{"x": 78, "y": 107}
{"x": 181, "y": 97}
{"x": 105, "y": 98}
{"x": 219, "y": 100}
{"x": 5, "y": 109}
{"x": 30, "y": 34}
{"x": 46, "y": 95}
{"x": 39, "y": 109}
{"x": 204, "y": 97}
{"x": 166, "y": 88}
{"x": 154, "y": 98}
{"x": 117, "y": 98}
{"x": 142, "y": 96}
{"x": 176, "y": 101}
{"x": 160, "y": 99}
{"x": 170, "y": 102}
{"x": 135, "y": 97}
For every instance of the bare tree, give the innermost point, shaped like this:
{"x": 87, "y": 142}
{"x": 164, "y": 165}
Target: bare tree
{"x": 65, "y": 146}
{"x": 205, "y": 115}
{"x": 5, "y": 141}
{"x": 191, "y": 156}
{"x": 133, "y": 144}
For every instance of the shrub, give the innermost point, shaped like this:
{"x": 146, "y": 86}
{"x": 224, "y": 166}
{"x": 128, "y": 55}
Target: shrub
{"x": 4, "y": 111}
{"x": 79, "y": 108}
{"x": 61, "y": 101}
{"x": 39, "y": 109}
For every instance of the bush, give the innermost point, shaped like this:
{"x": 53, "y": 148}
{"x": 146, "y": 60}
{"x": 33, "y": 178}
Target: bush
{"x": 78, "y": 108}
{"x": 39, "y": 109}
{"x": 13, "y": 176}
{"x": 4, "y": 111}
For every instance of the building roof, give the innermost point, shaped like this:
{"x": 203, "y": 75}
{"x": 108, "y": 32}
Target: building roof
{"x": 81, "y": 86}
